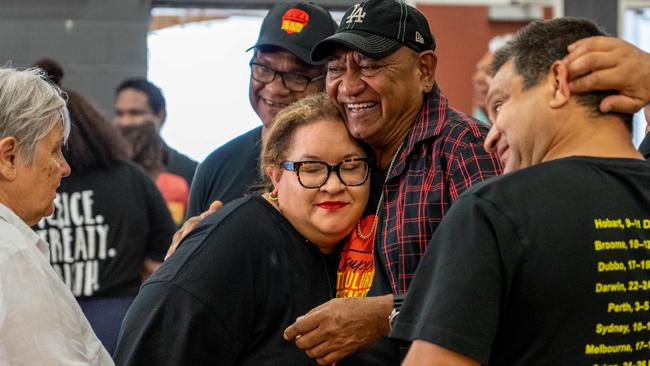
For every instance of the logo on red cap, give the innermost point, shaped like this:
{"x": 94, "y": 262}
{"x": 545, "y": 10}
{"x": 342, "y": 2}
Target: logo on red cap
{"x": 294, "y": 20}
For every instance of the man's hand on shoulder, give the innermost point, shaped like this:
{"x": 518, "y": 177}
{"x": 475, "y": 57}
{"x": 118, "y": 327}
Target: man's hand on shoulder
{"x": 607, "y": 63}
{"x": 189, "y": 225}
{"x": 339, "y": 327}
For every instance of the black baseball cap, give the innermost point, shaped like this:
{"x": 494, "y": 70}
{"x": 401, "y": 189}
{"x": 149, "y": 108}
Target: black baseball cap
{"x": 377, "y": 28}
{"x": 296, "y": 26}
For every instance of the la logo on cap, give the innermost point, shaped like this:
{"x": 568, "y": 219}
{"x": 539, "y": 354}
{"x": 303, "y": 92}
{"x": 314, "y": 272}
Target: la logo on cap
{"x": 294, "y": 20}
{"x": 356, "y": 15}
{"x": 419, "y": 38}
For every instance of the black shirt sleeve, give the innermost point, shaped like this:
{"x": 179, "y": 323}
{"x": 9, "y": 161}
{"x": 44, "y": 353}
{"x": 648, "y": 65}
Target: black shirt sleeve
{"x": 456, "y": 297}
{"x": 169, "y": 326}
{"x": 201, "y": 306}
{"x": 198, "y": 192}
{"x": 180, "y": 165}
{"x": 228, "y": 173}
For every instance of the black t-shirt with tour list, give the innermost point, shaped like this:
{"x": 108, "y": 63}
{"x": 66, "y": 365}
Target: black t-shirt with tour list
{"x": 106, "y": 221}
{"x": 546, "y": 266}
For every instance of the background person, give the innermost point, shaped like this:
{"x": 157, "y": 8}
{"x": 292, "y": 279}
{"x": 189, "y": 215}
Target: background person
{"x": 41, "y": 323}
{"x": 281, "y": 73}
{"x": 482, "y": 76}
{"x": 231, "y": 288}
{"x": 110, "y": 224}
{"x": 521, "y": 252}
{"x": 149, "y": 152}
{"x": 137, "y": 101}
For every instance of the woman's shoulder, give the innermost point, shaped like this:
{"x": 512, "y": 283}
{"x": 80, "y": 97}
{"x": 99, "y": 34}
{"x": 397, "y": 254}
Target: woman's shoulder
{"x": 249, "y": 220}
{"x": 243, "y": 231}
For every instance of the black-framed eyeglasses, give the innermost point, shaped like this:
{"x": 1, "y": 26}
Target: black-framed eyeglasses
{"x": 290, "y": 80}
{"x": 314, "y": 174}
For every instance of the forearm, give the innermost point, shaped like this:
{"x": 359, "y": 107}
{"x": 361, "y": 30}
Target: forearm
{"x": 341, "y": 326}
{"x": 380, "y": 307}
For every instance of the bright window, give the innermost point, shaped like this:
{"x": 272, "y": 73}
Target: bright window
{"x": 203, "y": 71}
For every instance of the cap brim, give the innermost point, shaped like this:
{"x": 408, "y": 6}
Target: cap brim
{"x": 371, "y": 45}
{"x": 300, "y": 52}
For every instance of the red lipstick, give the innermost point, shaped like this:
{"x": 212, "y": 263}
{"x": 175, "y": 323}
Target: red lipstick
{"x": 331, "y": 205}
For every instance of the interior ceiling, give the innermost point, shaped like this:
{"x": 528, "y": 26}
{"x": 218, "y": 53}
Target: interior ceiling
{"x": 246, "y": 4}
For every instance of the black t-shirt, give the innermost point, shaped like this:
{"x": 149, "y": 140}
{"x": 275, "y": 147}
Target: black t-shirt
{"x": 180, "y": 165}
{"x": 227, "y": 294}
{"x": 227, "y": 173}
{"x": 105, "y": 223}
{"x": 546, "y": 266}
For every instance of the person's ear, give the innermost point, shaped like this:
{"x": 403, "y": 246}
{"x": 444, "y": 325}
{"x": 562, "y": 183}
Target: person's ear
{"x": 561, "y": 91}
{"x": 427, "y": 62}
{"x": 8, "y": 157}
{"x": 274, "y": 172}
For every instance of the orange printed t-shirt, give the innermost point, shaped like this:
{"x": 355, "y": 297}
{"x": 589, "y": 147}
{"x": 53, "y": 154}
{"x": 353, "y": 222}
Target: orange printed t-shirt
{"x": 356, "y": 267}
{"x": 175, "y": 191}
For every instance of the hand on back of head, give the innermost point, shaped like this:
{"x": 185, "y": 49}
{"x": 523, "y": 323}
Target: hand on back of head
{"x": 606, "y": 63}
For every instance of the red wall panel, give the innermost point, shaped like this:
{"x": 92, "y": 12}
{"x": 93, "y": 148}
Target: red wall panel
{"x": 462, "y": 34}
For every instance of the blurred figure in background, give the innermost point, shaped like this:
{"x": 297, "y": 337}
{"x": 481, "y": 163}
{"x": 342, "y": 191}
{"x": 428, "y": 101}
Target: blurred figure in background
{"x": 150, "y": 153}
{"x": 110, "y": 222}
{"x": 52, "y": 69}
{"x": 481, "y": 78}
{"x": 40, "y": 322}
{"x": 138, "y": 100}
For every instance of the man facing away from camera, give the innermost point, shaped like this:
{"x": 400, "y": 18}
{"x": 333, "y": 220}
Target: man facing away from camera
{"x": 548, "y": 263}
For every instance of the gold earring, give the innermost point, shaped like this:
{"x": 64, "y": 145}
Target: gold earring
{"x": 273, "y": 196}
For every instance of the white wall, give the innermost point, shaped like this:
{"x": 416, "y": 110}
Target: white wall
{"x": 203, "y": 71}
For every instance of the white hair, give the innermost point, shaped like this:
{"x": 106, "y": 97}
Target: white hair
{"x": 30, "y": 107}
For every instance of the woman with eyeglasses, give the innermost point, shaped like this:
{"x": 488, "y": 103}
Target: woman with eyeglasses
{"x": 245, "y": 273}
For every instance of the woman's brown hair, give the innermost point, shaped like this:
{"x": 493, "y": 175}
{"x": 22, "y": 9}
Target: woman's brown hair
{"x": 279, "y": 138}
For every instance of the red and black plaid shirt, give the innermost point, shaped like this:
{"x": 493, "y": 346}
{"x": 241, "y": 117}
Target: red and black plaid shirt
{"x": 442, "y": 156}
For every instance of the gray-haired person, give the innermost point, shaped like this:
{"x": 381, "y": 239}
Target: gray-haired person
{"x": 40, "y": 321}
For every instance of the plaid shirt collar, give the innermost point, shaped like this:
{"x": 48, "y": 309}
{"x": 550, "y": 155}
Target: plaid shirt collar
{"x": 428, "y": 123}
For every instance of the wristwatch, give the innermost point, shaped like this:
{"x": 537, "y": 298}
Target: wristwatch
{"x": 397, "y": 305}
{"x": 392, "y": 317}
